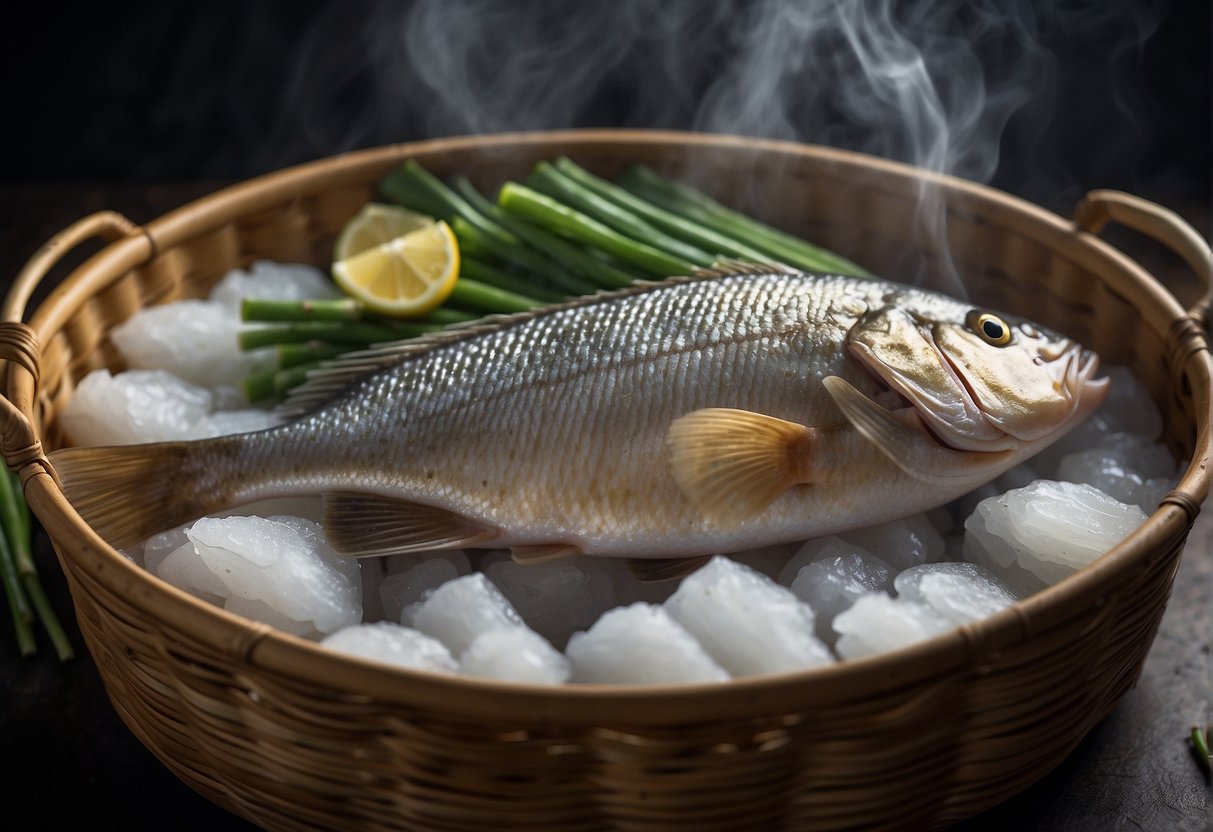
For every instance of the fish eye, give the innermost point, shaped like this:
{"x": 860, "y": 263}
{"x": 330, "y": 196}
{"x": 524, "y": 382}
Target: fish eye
{"x": 990, "y": 328}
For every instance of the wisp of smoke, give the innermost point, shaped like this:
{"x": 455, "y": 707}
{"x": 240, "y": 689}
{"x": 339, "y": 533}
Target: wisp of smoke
{"x": 933, "y": 83}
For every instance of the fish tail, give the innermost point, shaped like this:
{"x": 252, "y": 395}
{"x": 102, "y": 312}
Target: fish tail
{"x": 127, "y": 493}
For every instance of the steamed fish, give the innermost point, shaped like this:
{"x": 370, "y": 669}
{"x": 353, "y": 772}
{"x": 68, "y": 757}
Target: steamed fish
{"x": 730, "y": 409}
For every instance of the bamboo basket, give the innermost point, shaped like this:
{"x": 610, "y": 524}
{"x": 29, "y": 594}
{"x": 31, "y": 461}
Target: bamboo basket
{"x": 291, "y": 736}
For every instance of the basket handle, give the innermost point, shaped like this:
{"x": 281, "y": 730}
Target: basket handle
{"x": 19, "y": 343}
{"x": 109, "y": 225}
{"x": 1189, "y": 334}
{"x": 1097, "y": 208}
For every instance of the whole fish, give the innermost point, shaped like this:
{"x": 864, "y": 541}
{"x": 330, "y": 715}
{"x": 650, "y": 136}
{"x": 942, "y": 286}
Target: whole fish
{"x": 731, "y": 409}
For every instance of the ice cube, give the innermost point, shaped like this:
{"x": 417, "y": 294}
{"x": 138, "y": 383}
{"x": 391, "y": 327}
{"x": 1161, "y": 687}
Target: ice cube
{"x": 1149, "y": 494}
{"x": 960, "y": 592}
{"x": 159, "y": 546}
{"x": 390, "y": 643}
{"x": 640, "y": 644}
{"x": 748, "y": 623}
{"x": 283, "y": 562}
{"x": 876, "y": 623}
{"x": 401, "y": 589}
{"x": 195, "y": 340}
{"x": 1147, "y": 457}
{"x": 459, "y": 610}
{"x": 395, "y": 564}
{"x": 267, "y": 280}
{"x": 132, "y": 407}
{"x": 838, "y": 574}
{"x": 556, "y": 598}
{"x": 515, "y": 654}
{"x": 227, "y": 422}
{"x": 1129, "y": 409}
{"x": 1135, "y": 475}
{"x": 258, "y": 610}
{"x": 993, "y": 554}
{"x": 901, "y": 543}
{"x": 229, "y": 397}
{"x": 811, "y": 550}
{"x": 183, "y": 569}
{"x": 1052, "y": 529}
{"x": 769, "y": 560}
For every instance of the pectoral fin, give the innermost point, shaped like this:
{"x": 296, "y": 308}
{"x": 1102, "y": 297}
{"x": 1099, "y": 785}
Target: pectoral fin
{"x": 904, "y": 439}
{"x": 361, "y": 525}
{"x": 732, "y": 464}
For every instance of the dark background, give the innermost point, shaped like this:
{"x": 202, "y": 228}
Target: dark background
{"x": 141, "y": 106}
{"x": 1114, "y": 94}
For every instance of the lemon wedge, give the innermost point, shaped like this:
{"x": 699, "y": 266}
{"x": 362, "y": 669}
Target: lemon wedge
{"x": 375, "y": 225}
{"x": 406, "y": 276}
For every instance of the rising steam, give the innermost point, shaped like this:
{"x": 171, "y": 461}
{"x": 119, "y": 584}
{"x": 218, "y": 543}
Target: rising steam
{"x": 932, "y": 83}
{"x": 949, "y": 85}
{"x": 952, "y": 86}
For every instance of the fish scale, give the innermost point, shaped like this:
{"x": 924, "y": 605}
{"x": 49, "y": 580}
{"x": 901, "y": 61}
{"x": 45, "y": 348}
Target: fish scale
{"x": 559, "y": 428}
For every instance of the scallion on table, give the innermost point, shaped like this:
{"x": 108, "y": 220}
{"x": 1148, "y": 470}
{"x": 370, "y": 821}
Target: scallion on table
{"x": 26, "y": 597}
{"x": 1200, "y": 746}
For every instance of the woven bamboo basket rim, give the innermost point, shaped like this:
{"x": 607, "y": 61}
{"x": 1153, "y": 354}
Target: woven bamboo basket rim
{"x": 254, "y": 645}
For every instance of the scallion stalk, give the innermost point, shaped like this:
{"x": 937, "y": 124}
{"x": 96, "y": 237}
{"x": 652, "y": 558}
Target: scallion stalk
{"x": 357, "y": 333}
{"x": 561, "y": 219}
{"x": 701, "y": 236}
{"x": 547, "y": 179}
{"x": 568, "y": 254}
{"x": 696, "y": 206}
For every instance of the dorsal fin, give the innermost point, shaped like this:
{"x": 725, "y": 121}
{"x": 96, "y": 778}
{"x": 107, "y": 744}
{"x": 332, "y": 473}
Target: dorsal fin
{"x": 335, "y": 375}
{"x": 729, "y": 266}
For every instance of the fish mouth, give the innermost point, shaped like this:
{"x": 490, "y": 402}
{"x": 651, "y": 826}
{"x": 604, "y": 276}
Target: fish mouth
{"x": 1088, "y": 391}
{"x": 889, "y": 395}
{"x": 1075, "y": 394}
{"x": 951, "y": 414}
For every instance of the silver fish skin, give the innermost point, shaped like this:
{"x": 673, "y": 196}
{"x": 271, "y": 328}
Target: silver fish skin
{"x": 697, "y": 415}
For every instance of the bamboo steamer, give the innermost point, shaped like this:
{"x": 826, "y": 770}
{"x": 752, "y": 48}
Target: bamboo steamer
{"x": 291, "y": 736}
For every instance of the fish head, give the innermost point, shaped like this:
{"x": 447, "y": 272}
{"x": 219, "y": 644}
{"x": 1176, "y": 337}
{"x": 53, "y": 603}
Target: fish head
{"x": 979, "y": 380}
